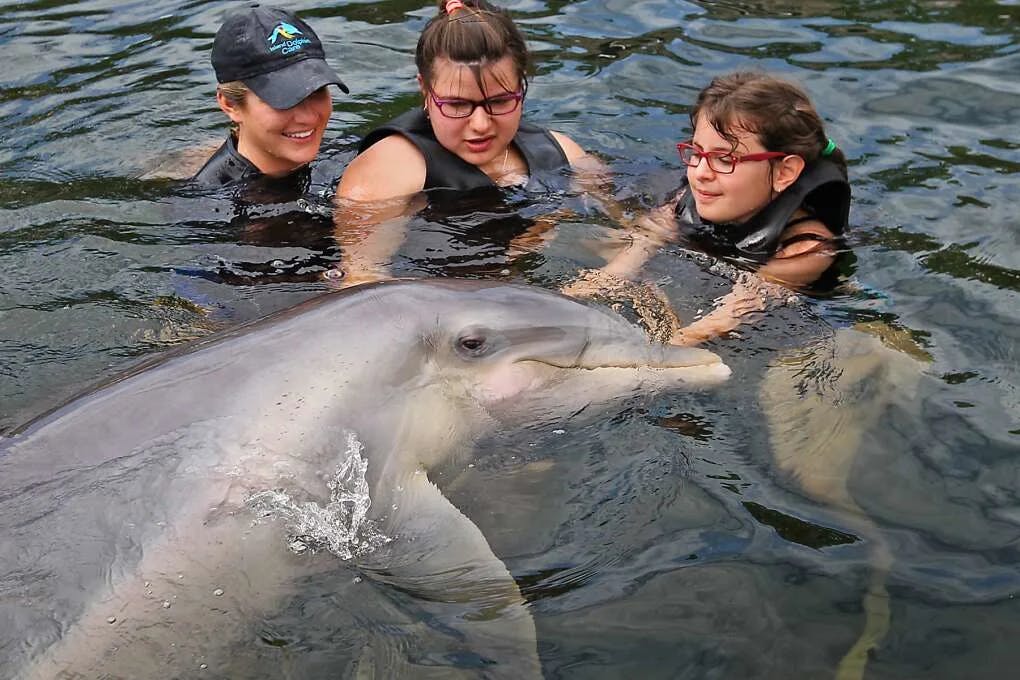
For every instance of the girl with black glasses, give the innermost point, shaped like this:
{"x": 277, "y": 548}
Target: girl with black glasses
{"x": 467, "y": 135}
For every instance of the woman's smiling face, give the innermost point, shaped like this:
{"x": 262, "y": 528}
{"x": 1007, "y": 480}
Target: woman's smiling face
{"x": 480, "y": 139}
{"x": 279, "y": 141}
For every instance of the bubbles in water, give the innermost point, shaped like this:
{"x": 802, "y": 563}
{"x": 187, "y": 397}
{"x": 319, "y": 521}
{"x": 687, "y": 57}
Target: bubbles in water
{"x": 340, "y": 526}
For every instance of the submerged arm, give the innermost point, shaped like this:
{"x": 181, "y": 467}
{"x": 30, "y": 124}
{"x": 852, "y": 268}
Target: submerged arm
{"x": 377, "y": 194}
{"x": 645, "y": 236}
{"x": 807, "y": 252}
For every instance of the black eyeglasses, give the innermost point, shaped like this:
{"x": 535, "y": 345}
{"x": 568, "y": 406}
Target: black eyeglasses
{"x": 723, "y": 162}
{"x": 500, "y": 105}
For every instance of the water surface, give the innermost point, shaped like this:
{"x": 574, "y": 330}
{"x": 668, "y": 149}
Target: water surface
{"x": 730, "y": 534}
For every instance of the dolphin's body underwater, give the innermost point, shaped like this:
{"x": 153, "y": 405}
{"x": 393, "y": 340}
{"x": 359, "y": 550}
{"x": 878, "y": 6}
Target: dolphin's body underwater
{"x": 128, "y": 542}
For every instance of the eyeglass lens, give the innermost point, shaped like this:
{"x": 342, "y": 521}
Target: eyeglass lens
{"x": 691, "y": 156}
{"x": 462, "y": 108}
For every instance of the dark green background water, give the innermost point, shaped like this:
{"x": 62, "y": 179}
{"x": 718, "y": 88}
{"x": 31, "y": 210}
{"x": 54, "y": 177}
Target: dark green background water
{"x": 682, "y": 546}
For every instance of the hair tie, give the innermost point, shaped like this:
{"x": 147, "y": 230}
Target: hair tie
{"x": 453, "y": 5}
{"x": 827, "y": 151}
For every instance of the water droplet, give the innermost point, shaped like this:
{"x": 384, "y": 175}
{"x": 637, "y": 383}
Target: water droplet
{"x": 112, "y": 619}
{"x": 218, "y": 592}
{"x": 166, "y": 604}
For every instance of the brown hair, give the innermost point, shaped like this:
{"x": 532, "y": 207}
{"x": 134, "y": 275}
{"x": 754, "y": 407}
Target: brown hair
{"x": 235, "y": 91}
{"x": 778, "y": 112}
{"x": 473, "y": 33}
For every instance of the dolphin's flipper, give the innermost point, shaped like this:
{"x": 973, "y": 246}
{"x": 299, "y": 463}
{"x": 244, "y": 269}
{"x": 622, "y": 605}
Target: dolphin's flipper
{"x": 817, "y": 433}
{"x": 461, "y": 589}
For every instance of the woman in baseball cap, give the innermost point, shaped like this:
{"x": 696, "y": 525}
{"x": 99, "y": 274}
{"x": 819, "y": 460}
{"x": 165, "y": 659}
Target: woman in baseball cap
{"x": 273, "y": 84}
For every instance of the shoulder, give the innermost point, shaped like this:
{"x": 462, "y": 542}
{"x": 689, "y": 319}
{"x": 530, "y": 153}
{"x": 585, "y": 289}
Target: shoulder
{"x": 573, "y": 151}
{"x": 391, "y": 167}
{"x": 802, "y": 235}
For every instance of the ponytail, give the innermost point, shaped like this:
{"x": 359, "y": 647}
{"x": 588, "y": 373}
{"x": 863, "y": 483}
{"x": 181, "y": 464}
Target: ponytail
{"x": 474, "y": 33}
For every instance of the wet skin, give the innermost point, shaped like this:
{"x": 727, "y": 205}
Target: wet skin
{"x": 279, "y": 141}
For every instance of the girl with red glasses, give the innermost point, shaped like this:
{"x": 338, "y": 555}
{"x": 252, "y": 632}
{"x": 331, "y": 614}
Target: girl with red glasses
{"x": 765, "y": 188}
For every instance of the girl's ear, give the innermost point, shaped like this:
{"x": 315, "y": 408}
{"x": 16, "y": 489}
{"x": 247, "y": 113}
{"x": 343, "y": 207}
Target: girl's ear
{"x": 424, "y": 94}
{"x": 786, "y": 172}
{"x": 233, "y": 111}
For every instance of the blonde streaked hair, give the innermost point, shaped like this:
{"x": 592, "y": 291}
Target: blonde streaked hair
{"x": 235, "y": 92}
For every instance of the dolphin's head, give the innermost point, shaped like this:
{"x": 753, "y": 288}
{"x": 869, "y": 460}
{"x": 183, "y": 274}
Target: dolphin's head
{"x": 509, "y": 344}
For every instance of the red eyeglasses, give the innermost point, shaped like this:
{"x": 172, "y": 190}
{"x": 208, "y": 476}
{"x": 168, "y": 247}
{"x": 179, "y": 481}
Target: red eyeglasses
{"x": 723, "y": 162}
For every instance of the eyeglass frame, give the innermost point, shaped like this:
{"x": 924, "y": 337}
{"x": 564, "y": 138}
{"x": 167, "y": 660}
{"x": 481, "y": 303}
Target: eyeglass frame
{"x": 517, "y": 96}
{"x": 737, "y": 160}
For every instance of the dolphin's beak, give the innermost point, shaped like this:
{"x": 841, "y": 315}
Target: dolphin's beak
{"x": 595, "y": 354}
{"x": 653, "y": 355}
{"x": 611, "y": 349}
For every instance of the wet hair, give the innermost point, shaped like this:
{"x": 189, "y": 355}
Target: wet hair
{"x": 778, "y": 112}
{"x": 473, "y": 33}
{"x": 234, "y": 91}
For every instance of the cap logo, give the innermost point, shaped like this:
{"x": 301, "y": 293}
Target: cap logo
{"x": 290, "y": 41}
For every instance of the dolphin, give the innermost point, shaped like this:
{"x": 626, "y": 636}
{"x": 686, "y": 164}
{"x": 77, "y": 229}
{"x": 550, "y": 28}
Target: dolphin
{"x": 136, "y": 538}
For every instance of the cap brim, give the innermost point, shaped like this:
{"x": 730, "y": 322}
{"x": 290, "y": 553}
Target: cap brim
{"x": 289, "y": 86}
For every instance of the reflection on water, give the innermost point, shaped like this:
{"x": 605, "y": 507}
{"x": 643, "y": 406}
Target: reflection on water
{"x": 733, "y": 534}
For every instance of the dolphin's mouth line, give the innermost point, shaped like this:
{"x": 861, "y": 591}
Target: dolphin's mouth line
{"x": 576, "y": 364}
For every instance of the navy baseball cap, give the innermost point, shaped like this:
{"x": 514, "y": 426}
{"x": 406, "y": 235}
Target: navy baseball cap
{"x": 274, "y": 53}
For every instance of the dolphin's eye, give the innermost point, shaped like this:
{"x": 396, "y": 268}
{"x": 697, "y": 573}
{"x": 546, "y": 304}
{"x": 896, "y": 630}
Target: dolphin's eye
{"x": 472, "y": 344}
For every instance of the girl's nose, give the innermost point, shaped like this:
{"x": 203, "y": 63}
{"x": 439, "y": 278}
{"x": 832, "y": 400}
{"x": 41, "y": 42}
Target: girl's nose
{"x": 480, "y": 119}
{"x": 702, "y": 170}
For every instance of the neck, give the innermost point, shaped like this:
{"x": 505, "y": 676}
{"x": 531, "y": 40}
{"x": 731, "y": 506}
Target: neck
{"x": 505, "y": 169}
{"x": 267, "y": 164}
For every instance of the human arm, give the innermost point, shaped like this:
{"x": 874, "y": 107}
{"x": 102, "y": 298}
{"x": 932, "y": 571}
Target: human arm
{"x": 643, "y": 238}
{"x": 748, "y": 295}
{"x": 378, "y": 192}
{"x": 390, "y": 169}
{"x": 806, "y": 251}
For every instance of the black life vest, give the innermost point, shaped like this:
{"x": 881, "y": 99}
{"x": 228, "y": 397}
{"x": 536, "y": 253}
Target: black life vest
{"x": 228, "y": 168}
{"x": 821, "y": 190}
{"x": 445, "y": 170}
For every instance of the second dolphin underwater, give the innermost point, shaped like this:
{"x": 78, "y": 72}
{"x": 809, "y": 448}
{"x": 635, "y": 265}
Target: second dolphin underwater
{"x": 127, "y": 511}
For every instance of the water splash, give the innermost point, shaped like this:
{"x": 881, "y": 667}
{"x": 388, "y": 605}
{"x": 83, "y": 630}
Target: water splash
{"x": 341, "y": 526}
